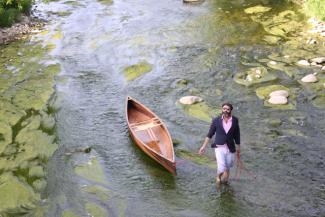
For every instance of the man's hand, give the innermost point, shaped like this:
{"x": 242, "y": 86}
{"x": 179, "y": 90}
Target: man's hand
{"x": 238, "y": 151}
{"x": 202, "y": 150}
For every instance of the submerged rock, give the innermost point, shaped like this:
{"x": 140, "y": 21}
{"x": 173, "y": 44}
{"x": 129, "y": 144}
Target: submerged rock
{"x": 278, "y": 100}
{"x": 189, "y": 100}
{"x": 254, "y": 76}
{"x": 91, "y": 170}
{"x": 303, "y": 63}
{"x": 199, "y": 110}
{"x": 257, "y": 9}
{"x": 318, "y": 60}
{"x": 134, "y": 71}
{"x": 283, "y": 93}
{"x": 311, "y": 78}
{"x": 100, "y": 192}
{"x": 94, "y": 209}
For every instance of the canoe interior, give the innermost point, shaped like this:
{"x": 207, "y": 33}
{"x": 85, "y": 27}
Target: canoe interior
{"x": 149, "y": 130}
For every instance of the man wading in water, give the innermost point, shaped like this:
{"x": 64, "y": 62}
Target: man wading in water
{"x": 226, "y": 130}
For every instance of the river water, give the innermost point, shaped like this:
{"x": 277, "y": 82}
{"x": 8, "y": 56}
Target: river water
{"x": 205, "y": 44}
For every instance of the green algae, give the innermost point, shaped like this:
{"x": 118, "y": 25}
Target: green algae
{"x": 39, "y": 185}
{"x": 15, "y": 195}
{"x": 287, "y": 69}
{"x": 5, "y": 136}
{"x": 196, "y": 158}
{"x": 271, "y": 39}
{"x": 284, "y": 24}
{"x": 41, "y": 143}
{"x": 73, "y": 3}
{"x": 36, "y": 171}
{"x": 34, "y": 94}
{"x": 91, "y": 170}
{"x": 68, "y": 213}
{"x": 27, "y": 83}
{"x": 257, "y": 9}
{"x": 293, "y": 132}
{"x": 10, "y": 113}
{"x": 319, "y": 102}
{"x": 274, "y": 122}
{"x": 9, "y": 150}
{"x": 20, "y": 158}
{"x": 61, "y": 13}
{"x": 47, "y": 122}
{"x": 95, "y": 210}
{"x": 254, "y": 76}
{"x": 263, "y": 93}
{"x": 100, "y": 192}
{"x": 200, "y": 111}
{"x": 317, "y": 89}
{"x": 134, "y": 71}
{"x": 32, "y": 123}
{"x": 57, "y": 35}
{"x": 106, "y": 2}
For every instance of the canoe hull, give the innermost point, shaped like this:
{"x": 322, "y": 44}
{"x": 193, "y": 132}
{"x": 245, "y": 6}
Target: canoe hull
{"x": 169, "y": 165}
{"x": 150, "y": 134}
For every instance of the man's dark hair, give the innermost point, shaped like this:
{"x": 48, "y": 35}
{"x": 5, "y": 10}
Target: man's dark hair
{"x": 227, "y": 104}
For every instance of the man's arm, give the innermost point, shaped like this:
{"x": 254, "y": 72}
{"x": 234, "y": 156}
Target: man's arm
{"x": 237, "y": 140}
{"x": 211, "y": 132}
{"x": 202, "y": 149}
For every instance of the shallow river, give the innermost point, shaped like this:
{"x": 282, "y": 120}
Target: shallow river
{"x": 205, "y": 45}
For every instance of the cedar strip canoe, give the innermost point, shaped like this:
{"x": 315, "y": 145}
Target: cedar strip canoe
{"x": 150, "y": 134}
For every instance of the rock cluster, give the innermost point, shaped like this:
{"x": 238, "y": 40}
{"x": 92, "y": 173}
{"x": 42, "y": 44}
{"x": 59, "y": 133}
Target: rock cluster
{"x": 279, "y": 97}
{"x": 18, "y": 30}
{"x": 319, "y": 27}
{"x": 317, "y": 62}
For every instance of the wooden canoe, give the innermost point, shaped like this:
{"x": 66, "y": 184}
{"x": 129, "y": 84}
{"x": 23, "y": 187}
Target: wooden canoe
{"x": 150, "y": 134}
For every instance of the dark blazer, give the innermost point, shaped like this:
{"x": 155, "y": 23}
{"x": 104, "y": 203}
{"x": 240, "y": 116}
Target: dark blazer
{"x": 221, "y": 137}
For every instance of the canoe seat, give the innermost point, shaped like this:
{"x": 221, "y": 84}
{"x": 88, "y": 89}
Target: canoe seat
{"x": 147, "y": 124}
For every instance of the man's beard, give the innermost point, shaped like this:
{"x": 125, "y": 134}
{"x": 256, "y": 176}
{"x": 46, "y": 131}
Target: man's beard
{"x": 226, "y": 114}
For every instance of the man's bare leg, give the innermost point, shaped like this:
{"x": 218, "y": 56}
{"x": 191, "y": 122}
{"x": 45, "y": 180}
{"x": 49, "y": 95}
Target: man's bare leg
{"x": 226, "y": 176}
{"x": 218, "y": 178}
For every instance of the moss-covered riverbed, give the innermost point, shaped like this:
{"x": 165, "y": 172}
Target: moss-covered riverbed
{"x": 27, "y": 124}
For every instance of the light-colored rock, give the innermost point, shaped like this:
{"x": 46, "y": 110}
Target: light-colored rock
{"x": 311, "y": 41}
{"x": 303, "y": 63}
{"x": 278, "y": 100}
{"x": 189, "y": 100}
{"x": 323, "y": 68}
{"x": 275, "y": 93}
{"x": 272, "y": 62}
{"x": 318, "y": 60}
{"x": 311, "y": 78}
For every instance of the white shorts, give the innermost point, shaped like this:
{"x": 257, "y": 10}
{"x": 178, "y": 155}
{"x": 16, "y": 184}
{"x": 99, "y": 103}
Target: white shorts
{"x": 225, "y": 159}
